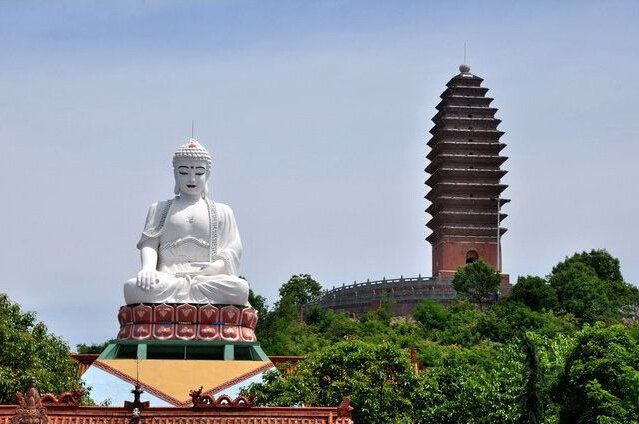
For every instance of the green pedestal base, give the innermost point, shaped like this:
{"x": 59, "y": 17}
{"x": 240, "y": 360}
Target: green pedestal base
{"x": 184, "y": 349}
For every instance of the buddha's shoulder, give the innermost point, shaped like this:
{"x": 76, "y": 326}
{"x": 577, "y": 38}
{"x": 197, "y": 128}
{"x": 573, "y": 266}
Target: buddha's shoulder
{"x": 223, "y": 208}
{"x": 160, "y": 205}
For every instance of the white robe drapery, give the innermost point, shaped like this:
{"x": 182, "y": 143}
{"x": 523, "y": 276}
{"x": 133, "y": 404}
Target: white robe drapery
{"x": 181, "y": 282}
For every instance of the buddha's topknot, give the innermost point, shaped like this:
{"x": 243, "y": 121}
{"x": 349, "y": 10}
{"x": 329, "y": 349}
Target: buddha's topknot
{"x": 192, "y": 150}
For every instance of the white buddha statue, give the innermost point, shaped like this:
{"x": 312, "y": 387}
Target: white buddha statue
{"x": 190, "y": 246}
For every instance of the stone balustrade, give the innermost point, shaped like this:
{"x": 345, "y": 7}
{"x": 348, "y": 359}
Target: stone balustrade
{"x": 403, "y": 293}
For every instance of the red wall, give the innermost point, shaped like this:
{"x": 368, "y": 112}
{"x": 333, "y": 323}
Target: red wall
{"x": 450, "y": 254}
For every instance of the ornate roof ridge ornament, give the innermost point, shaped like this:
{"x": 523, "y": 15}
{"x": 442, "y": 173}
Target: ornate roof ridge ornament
{"x": 192, "y": 150}
{"x": 201, "y": 400}
{"x": 71, "y": 398}
{"x": 30, "y": 409}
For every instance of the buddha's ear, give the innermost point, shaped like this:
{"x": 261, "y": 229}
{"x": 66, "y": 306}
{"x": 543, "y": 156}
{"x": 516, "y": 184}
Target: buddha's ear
{"x": 176, "y": 188}
{"x": 205, "y": 193}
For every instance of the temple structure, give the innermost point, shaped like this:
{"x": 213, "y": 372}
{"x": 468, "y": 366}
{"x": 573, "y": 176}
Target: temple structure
{"x": 66, "y": 408}
{"x": 465, "y": 203}
{"x": 465, "y": 177}
{"x": 186, "y": 344}
{"x": 187, "y": 322}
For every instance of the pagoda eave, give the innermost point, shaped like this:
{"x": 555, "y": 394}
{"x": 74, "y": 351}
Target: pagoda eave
{"x": 488, "y": 149}
{"x": 464, "y": 160}
{"x": 465, "y": 173}
{"x": 460, "y": 231}
{"x": 463, "y": 201}
{"x": 456, "y": 143}
{"x": 461, "y": 89}
{"x": 493, "y": 191}
{"x": 464, "y": 108}
{"x": 442, "y": 119}
{"x": 463, "y": 78}
{"x": 464, "y": 218}
{"x": 468, "y": 100}
{"x": 465, "y": 131}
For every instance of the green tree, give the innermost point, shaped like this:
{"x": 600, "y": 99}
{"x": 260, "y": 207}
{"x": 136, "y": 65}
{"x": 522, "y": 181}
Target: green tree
{"x": 582, "y": 293}
{"x": 259, "y": 303}
{"x": 590, "y": 285}
{"x": 281, "y": 332}
{"x": 600, "y": 381}
{"x": 499, "y": 364}
{"x": 602, "y": 263}
{"x": 301, "y": 288}
{"x": 378, "y": 378}
{"x": 482, "y": 384}
{"x": 534, "y": 292}
{"x": 532, "y": 408}
{"x": 31, "y": 355}
{"x": 431, "y": 314}
{"x": 91, "y": 348}
{"x": 507, "y": 321}
{"x": 461, "y": 325}
{"x": 478, "y": 281}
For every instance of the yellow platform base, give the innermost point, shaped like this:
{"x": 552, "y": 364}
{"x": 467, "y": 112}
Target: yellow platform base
{"x": 172, "y": 380}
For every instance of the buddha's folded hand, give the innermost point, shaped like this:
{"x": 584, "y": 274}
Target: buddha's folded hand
{"x": 147, "y": 279}
{"x": 210, "y": 268}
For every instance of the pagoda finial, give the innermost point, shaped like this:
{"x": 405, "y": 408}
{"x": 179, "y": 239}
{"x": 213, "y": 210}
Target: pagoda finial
{"x": 464, "y": 69}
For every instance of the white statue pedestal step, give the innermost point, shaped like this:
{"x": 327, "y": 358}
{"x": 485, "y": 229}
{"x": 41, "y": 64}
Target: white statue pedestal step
{"x": 187, "y": 322}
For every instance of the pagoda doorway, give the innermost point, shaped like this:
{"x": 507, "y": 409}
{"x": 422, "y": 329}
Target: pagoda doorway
{"x": 471, "y": 256}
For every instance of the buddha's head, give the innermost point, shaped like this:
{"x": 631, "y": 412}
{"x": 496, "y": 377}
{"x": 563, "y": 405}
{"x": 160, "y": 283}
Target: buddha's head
{"x": 191, "y": 168}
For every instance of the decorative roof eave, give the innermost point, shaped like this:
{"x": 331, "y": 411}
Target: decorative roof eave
{"x": 450, "y": 90}
{"x": 436, "y": 131}
{"x": 443, "y": 107}
{"x": 467, "y": 171}
{"x": 458, "y": 213}
{"x": 456, "y": 187}
{"x": 446, "y": 146}
{"x": 435, "y": 193}
{"x": 470, "y": 202}
{"x": 472, "y": 159}
{"x": 464, "y": 77}
{"x": 442, "y": 173}
{"x": 465, "y": 231}
{"x": 441, "y": 118}
{"x": 487, "y": 204}
{"x": 493, "y": 139}
{"x": 224, "y": 410}
{"x": 460, "y": 218}
{"x": 485, "y": 112}
{"x": 480, "y": 99}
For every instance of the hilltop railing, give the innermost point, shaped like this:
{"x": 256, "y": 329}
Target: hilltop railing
{"x": 404, "y": 290}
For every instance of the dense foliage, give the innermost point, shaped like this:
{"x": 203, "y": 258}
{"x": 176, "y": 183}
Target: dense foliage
{"x": 477, "y": 281}
{"x": 600, "y": 382}
{"x": 92, "y": 348}
{"x": 553, "y": 351}
{"x": 29, "y": 354}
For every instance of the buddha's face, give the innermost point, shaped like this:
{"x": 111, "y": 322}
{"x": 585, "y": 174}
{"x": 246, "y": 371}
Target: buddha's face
{"x": 191, "y": 177}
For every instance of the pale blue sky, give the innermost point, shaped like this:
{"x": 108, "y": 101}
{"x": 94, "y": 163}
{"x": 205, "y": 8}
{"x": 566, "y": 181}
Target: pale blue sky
{"x": 318, "y": 115}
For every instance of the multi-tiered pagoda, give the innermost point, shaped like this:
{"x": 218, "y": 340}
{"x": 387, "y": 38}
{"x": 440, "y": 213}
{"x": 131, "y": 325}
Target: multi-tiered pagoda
{"x": 465, "y": 177}
{"x": 465, "y": 204}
